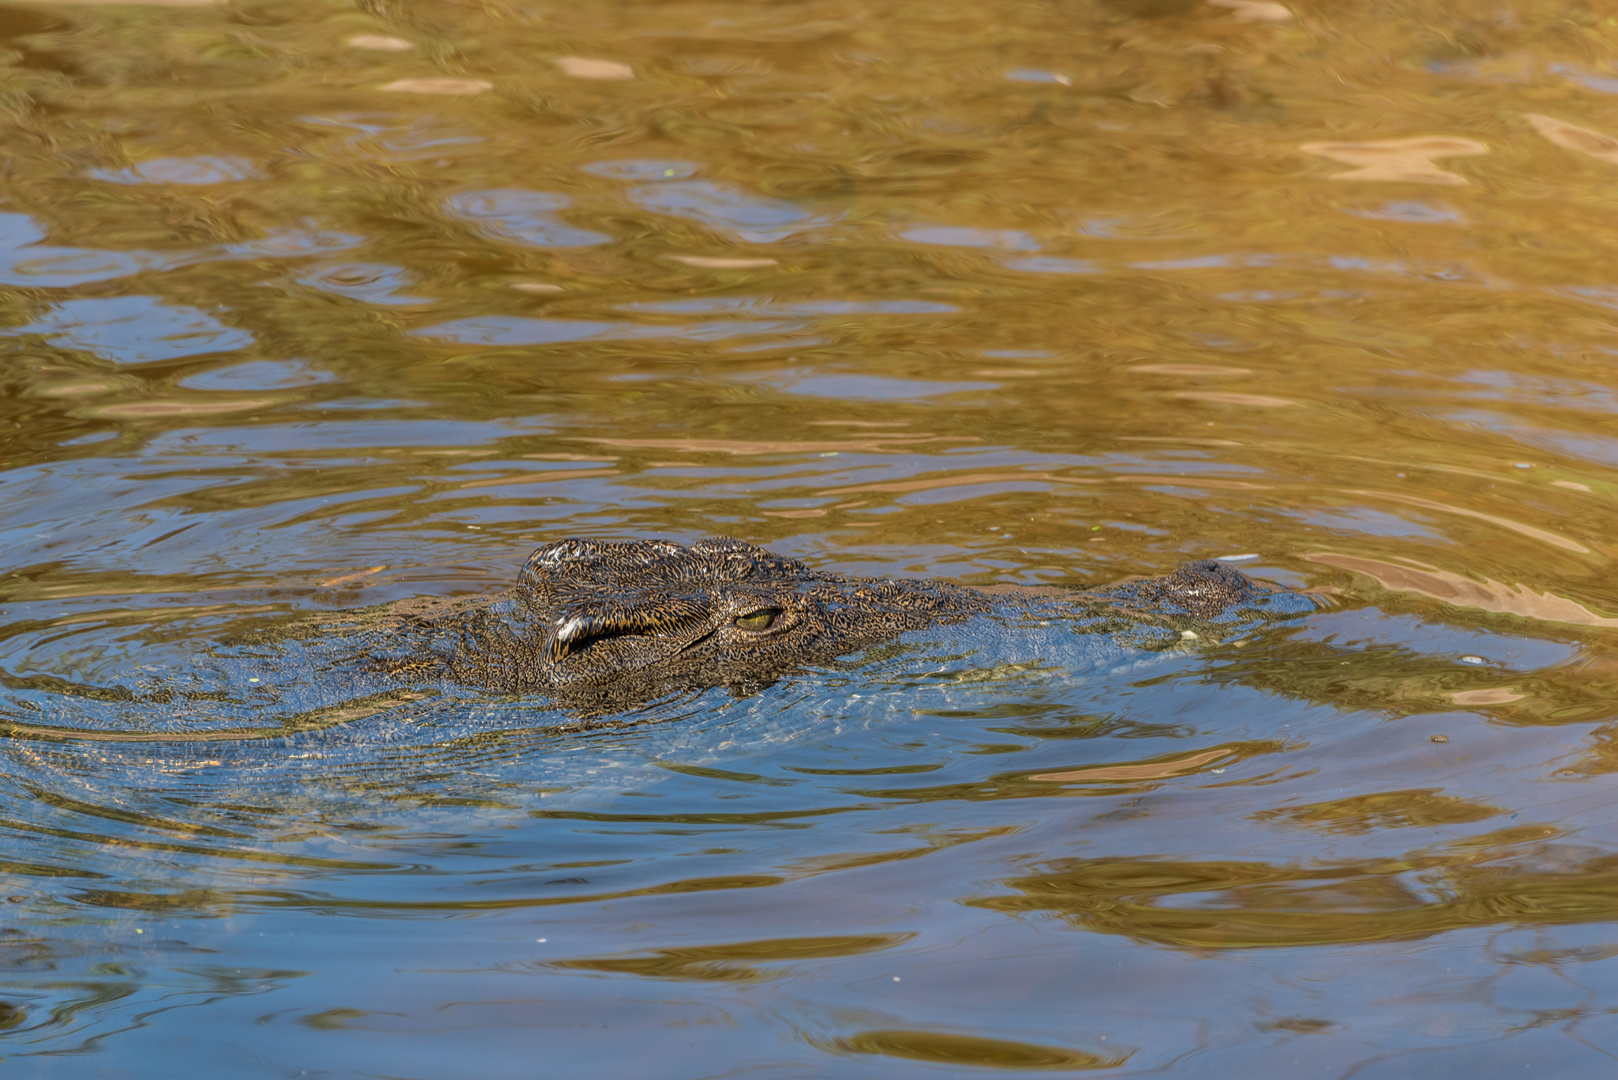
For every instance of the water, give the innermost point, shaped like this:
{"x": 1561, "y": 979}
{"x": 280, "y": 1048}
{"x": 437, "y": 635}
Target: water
{"x": 313, "y": 305}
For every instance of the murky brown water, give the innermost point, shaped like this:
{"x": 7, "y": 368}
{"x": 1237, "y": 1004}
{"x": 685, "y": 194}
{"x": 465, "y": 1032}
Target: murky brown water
{"x": 314, "y": 304}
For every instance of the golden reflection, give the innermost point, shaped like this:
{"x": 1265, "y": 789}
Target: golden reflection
{"x": 584, "y": 67}
{"x": 707, "y": 262}
{"x": 1190, "y": 369}
{"x": 1452, "y": 588}
{"x": 1254, "y": 10}
{"x": 946, "y": 1048}
{"x": 1515, "y": 526}
{"x": 739, "y": 961}
{"x": 1573, "y": 137}
{"x": 74, "y": 389}
{"x": 333, "y": 1019}
{"x": 1409, "y": 160}
{"x": 348, "y": 579}
{"x": 967, "y": 480}
{"x": 378, "y": 43}
{"x": 569, "y": 457}
{"x": 1220, "y": 397}
{"x": 539, "y": 477}
{"x": 1231, "y": 904}
{"x": 1161, "y": 769}
{"x": 1355, "y": 815}
{"x": 1187, "y": 440}
{"x": 742, "y": 448}
{"x": 1192, "y": 481}
{"x": 452, "y": 87}
{"x": 1499, "y": 695}
{"x": 151, "y": 410}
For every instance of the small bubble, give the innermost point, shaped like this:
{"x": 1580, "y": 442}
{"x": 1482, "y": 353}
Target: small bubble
{"x": 1521, "y": 465}
{"x": 541, "y": 940}
{"x": 1440, "y": 738}
{"x": 1471, "y": 659}
{"x": 896, "y": 978}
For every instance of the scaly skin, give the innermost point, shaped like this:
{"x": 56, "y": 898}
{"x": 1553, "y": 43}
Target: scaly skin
{"x": 601, "y": 625}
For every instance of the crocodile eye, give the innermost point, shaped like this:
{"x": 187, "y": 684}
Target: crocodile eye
{"x": 762, "y": 619}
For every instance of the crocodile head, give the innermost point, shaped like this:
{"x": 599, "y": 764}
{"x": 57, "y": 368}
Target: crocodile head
{"x": 719, "y": 612}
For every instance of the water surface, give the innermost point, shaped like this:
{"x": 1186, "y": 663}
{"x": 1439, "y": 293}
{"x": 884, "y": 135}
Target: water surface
{"x": 309, "y": 305}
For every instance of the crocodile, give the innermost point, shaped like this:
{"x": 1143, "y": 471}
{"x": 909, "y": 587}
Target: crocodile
{"x": 609, "y": 631}
{"x": 603, "y": 625}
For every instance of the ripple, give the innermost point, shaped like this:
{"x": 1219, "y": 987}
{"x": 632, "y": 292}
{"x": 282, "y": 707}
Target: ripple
{"x": 1049, "y": 264}
{"x": 869, "y": 387}
{"x": 764, "y": 305}
{"x": 1452, "y": 588}
{"x": 375, "y": 283}
{"x": 258, "y": 375}
{"x": 961, "y": 236}
{"x": 1034, "y": 75}
{"x": 1415, "y": 212}
{"x": 517, "y": 330}
{"x": 135, "y": 329}
{"x": 386, "y": 136}
{"x": 521, "y": 217}
{"x": 203, "y": 169}
{"x": 748, "y": 217}
{"x": 643, "y": 169}
{"x": 44, "y": 267}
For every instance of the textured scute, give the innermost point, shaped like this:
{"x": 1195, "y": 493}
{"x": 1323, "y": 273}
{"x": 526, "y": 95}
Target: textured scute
{"x": 653, "y": 614}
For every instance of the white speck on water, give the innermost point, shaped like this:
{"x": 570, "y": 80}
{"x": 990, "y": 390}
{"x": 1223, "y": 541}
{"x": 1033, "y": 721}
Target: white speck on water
{"x": 1471, "y": 659}
{"x": 1236, "y": 558}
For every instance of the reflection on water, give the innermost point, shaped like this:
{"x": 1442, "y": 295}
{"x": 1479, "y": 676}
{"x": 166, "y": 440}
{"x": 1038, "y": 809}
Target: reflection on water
{"x": 314, "y": 306}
